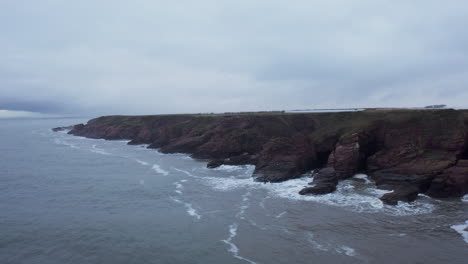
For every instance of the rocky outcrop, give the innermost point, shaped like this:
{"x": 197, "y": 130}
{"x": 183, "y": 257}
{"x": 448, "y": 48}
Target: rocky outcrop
{"x": 325, "y": 181}
{"x": 420, "y": 151}
{"x": 405, "y": 193}
{"x": 66, "y": 128}
{"x": 452, "y": 181}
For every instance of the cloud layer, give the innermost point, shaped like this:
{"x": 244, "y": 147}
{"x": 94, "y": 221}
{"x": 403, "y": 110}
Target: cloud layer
{"x": 145, "y": 56}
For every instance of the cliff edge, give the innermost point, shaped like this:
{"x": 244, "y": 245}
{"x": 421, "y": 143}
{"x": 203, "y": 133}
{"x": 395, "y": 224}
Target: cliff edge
{"x": 407, "y": 151}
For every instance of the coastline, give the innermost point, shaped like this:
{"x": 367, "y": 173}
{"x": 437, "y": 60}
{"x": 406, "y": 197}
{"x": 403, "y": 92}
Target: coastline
{"x": 407, "y": 151}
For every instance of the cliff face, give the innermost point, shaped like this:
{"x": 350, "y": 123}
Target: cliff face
{"x": 408, "y": 151}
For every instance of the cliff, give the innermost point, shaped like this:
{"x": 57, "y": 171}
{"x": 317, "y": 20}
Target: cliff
{"x": 408, "y": 151}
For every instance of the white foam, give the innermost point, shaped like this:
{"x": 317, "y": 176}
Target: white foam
{"x": 398, "y": 235}
{"x": 244, "y": 206}
{"x": 232, "y": 247}
{"x": 262, "y": 202}
{"x": 99, "y": 151}
{"x": 65, "y": 143}
{"x": 159, "y": 170}
{"x": 179, "y": 187}
{"x": 362, "y": 177}
{"x": 144, "y": 163}
{"x": 314, "y": 243}
{"x": 346, "y": 250}
{"x": 186, "y": 173}
{"x": 280, "y": 214}
{"x": 229, "y": 168}
{"x": 191, "y": 211}
{"x": 341, "y": 249}
{"x": 423, "y": 195}
{"x": 465, "y": 198}
{"x": 189, "y": 208}
{"x": 122, "y": 141}
{"x": 461, "y": 230}
{"x": 345, "y": 196}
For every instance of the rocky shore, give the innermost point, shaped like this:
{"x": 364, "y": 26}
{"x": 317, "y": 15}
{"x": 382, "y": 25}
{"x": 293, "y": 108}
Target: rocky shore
{"x": 407, "y": 151}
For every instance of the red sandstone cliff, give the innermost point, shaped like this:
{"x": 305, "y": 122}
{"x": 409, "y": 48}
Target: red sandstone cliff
{"x": 409, "y": 151}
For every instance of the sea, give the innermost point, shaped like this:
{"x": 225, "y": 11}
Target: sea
{"x": 68, "y": 199}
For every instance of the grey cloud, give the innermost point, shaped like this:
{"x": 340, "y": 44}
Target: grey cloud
{"x": 132, "y": 57}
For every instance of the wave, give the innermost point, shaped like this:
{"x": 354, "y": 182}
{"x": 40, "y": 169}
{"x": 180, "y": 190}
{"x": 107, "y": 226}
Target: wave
{"x": 159, "y": 170}
{"x": 465, "y": 198}
{"x": 461, "y": 229}
{"x": 363, "y": 200}
{"x": 232, "y": 247}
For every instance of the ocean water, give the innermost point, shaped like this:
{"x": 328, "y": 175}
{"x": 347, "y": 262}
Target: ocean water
{"x": 66, "y": 199}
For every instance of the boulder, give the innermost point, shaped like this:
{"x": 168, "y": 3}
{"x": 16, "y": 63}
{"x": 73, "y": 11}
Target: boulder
{"x": 215, "y": 163}
{"x": 404, "y": 193}
{"x": 325, "y": 181}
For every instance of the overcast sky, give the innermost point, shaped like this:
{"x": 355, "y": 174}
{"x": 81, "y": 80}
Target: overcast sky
{"x": 92, "y": 57}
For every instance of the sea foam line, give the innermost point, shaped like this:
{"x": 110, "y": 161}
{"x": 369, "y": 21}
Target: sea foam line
{"x": 280, "y": 214}
{"x": 341, "y": 249}
{"x": 99, "y": 150}
{"x": 190, "y": 210}
{"x": 232, "y": 247}
{"x": 179, "y": 187}
{"x": 62, "y": 142}
{"x": 244, "y": 205}
{"x": 159, "y": 170}
{"x": 144, "y": 163}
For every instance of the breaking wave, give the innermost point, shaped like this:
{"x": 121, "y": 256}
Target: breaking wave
{"x": 461, "y": 229}
{"x": 361, "y": 197}
{"x": 465, "y": 198}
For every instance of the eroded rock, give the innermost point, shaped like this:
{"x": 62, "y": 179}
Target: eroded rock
{"x": 325, "y": 181}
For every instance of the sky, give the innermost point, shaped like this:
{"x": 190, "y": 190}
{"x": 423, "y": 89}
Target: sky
{"x": 97, "y": 57}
